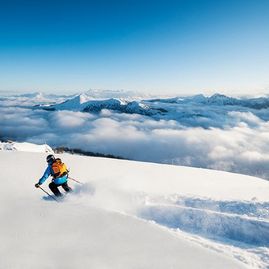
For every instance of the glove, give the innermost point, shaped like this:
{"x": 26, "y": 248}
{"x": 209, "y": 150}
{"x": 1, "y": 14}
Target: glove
{"x": 37, "y": 185}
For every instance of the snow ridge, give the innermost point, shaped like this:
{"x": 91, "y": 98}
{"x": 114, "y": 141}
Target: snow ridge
{"x": 160, "y": 108}
{"x": 84, "y": 103}
{"x": 24, "y": 146}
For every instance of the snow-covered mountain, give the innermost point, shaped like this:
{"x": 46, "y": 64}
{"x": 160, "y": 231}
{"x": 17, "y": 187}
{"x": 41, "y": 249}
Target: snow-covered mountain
{"x": 169, "y": 108}
{"x": 131, "y": 215}
{"x": 218, "y": 100}
{"x": 85, "y": 103}
{"x": 73, "y": 101}
{"x": 130, "y": 102}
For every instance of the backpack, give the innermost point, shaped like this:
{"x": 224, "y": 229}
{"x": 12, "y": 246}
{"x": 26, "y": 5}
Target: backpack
{"x": 59, "y": 169}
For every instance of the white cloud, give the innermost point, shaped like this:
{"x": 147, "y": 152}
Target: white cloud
{"x": 240, "y": 145}
{"x": 68, "y": 119}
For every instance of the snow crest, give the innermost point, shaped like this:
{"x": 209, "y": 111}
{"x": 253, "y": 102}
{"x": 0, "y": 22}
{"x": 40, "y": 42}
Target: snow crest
{"x": 24, "y": 146}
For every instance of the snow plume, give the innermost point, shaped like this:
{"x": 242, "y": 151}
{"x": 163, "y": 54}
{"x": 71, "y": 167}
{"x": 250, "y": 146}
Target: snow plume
{"x": 240, "y": 143}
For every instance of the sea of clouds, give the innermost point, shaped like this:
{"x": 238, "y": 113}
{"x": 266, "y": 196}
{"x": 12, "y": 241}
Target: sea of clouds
{"x": 226, "y": 138}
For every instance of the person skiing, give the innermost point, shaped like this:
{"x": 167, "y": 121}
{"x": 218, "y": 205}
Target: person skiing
{"x": 57, "y": 169}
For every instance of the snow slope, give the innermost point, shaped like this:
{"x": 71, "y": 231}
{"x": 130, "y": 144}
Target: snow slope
{"x": 131, "y": 215}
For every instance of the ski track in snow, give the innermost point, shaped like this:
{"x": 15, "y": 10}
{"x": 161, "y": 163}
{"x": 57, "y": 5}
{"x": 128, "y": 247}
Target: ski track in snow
{"x": 236, "y": 228}
{"x": 239, "y": 229}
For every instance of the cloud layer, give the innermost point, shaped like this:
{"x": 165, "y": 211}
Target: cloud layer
{"x": 238, "y": 140}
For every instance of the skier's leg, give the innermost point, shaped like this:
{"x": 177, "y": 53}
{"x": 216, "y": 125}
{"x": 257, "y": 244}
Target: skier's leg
{"x": 53, "y": 187}
{"x": 66, "y": 187}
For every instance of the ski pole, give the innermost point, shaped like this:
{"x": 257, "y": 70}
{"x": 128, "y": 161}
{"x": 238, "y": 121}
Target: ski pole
{"x": 48, "y": 194}
{"x": 75, "y": 180}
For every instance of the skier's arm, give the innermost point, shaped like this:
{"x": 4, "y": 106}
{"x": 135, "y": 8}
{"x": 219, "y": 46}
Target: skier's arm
{"x": 45, "y": 176}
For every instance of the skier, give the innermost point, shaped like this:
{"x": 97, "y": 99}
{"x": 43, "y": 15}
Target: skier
{"x": 59, "y": 172}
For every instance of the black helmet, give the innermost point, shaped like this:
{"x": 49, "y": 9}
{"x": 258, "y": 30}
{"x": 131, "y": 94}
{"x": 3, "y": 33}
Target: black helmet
{"x": 50, "y": 158}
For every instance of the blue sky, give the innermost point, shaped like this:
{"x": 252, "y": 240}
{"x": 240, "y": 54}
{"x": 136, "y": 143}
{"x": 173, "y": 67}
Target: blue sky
{"x": 184, "y": 46}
